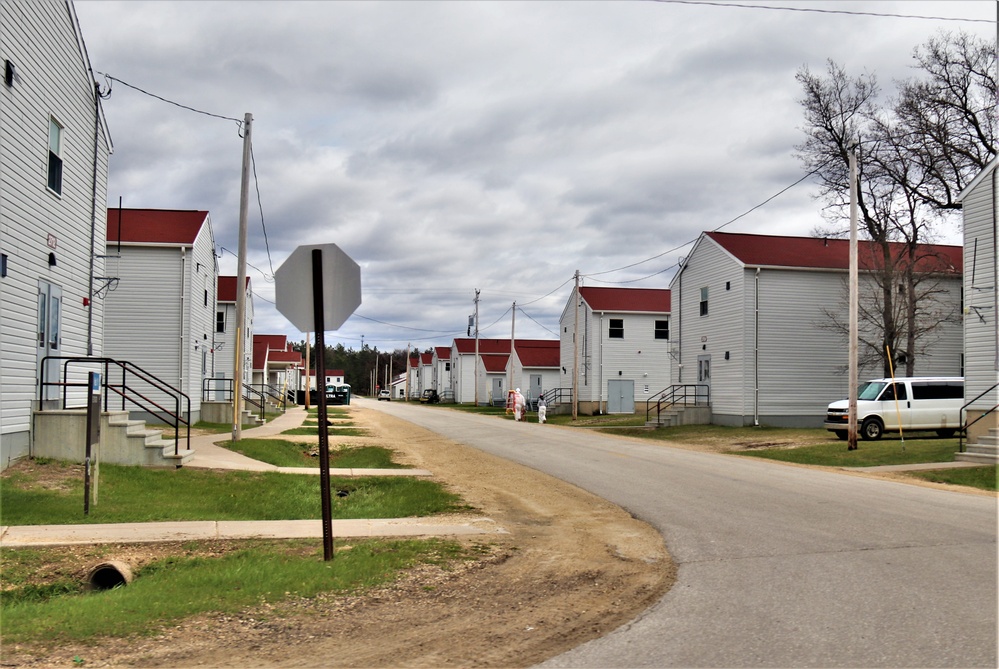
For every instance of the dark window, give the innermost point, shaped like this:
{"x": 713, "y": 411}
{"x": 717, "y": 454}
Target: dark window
{"x": 55, "y": 156}
{"x": 616, "y": 328}
{"x": 704, "y": 301}
{"x": 889, "y": 394}
{"x": 937, "y": 390}
{"x": 220, "y": 321}
{"x": 206, "y": 297}
{"x": 662, "y": 329}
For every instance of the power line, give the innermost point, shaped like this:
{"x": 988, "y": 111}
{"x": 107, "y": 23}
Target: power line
{"x": 256, "y": 183}
{"x": 815, "y": 10}
{"x": 239, "y": 122}
{"x": 537, "y": 323}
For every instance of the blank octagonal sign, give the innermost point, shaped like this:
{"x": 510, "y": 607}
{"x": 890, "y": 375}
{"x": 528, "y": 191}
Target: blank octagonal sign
{"x": 341, "y": 287}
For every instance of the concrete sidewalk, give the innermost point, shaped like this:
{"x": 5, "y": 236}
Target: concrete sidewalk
{"x": 66, "y": 535}
{"x": 925, "y": 466}
{"x": 208, "y": 455}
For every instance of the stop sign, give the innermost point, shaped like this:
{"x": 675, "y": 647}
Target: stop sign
{"x": 341, "y": 287}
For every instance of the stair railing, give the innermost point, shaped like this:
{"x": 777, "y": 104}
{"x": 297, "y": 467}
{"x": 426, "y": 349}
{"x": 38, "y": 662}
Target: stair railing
{"x": 687, "y": 394}
{"x": 126, "y": 381}
{"x": 964, "y": 427}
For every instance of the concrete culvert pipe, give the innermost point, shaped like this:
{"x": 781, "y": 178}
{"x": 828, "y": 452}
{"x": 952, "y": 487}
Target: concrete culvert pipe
{"x": 109, "y": 575}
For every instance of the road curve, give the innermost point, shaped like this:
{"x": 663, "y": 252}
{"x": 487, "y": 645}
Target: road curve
{"x": 779, "y": 566}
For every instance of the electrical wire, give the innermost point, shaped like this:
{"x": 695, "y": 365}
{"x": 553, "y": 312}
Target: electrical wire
{"x": 823, "y": 11}
{"x": 239, "y": 122}
{"x": 537, "y": 323}
{"x": 256, "y": 183}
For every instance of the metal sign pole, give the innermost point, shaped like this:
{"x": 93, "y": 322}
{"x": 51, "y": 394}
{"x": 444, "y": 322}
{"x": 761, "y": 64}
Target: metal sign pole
{"x": 324, "y": 440}
{"x": 93, "y": 438}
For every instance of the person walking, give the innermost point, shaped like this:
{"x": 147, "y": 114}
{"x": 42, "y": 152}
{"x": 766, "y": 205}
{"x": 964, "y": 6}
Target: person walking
{"x": 518, "y": 405}
{"x": 542, "y": 409}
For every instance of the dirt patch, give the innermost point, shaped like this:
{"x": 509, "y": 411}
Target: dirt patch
{"x": 572, "y": 568}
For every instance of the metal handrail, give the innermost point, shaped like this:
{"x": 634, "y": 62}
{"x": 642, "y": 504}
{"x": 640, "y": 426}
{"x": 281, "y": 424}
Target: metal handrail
{"x": 685, "y": 394}
{"x": 964, "y": 427}
{"x": 555, "y": 396}
{"x": 128, "y": 393}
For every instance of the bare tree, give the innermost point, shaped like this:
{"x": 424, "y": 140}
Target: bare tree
{"x": 917, "y": 153}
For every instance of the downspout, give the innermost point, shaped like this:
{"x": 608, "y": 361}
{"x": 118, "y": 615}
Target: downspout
{"x": 600, "y": 373}
{"x": 756, "y": 352}
{"x": 183, "y": 295}
{"x": 93, "y": 221}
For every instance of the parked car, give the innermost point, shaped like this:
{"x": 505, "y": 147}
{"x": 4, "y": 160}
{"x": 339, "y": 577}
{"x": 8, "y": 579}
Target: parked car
{"x": 430, "y": 396}
{"x": 384, "y": 395}
{"x": 915, "y": 403}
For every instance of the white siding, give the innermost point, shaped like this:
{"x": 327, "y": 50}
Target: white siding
{"x": 721, "y": 330}
{"x": 980, "y": 319}
{"x": 40, "y": 39}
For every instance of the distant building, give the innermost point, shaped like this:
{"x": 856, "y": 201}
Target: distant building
{"x": 623, "y": 348}
{"x": 751, "y": 317}
{"x": 160, "y": 310}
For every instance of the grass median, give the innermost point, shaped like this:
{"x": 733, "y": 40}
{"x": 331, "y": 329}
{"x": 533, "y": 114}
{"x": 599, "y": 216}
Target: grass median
{"x": 283, "y": 453}
{"x": 51, "y": 492}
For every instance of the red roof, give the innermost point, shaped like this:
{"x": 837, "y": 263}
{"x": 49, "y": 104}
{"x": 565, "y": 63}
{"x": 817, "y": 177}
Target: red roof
{"x": 427, "y": 358}
{"x": 648, "y": 300}
{"x": 260, "y": 351}
{"x": 494, "y": 362}
{"x": 443, "y": 352}
{"x": 274, "y": 342}
{"x": 285, "y": 356}
{"x": 154, "y": 226}
{"x": 822, "y": 253}
{"x": 538, "y": 353}
{"x": 414, "y": 362}
{"x": 467, "y": 345}
{"x": 227, "y": 288}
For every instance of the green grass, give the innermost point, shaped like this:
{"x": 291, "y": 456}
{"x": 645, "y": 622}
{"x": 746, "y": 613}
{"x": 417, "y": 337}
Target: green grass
{"x": 868, "y": 453}
{"x": 984, "y": 478}
{"x": 137, "y": 494}
{"x": 174, "y": 588}
{"x": 283, "y": 453}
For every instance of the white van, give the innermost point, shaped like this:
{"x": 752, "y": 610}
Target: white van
{"x": 924, "y": 403}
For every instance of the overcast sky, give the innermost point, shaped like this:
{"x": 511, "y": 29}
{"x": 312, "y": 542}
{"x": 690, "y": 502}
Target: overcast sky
{"x": 454, "y": 146}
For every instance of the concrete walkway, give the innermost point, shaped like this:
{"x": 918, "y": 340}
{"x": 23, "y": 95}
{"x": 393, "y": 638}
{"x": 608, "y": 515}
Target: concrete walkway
{"x": 957, "y": 464}
{"x": 208, "y": 455}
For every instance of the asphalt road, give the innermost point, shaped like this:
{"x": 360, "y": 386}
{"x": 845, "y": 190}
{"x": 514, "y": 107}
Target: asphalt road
{"x": 779, "y": 566}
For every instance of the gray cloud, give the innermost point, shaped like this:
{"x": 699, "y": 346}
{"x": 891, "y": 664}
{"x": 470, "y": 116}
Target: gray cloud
{"x": 493, "y": 145}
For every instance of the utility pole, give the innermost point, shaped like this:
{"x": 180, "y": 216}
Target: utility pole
{"x": 237, "y": 358}
{"x": 408, "y": 363}
{"x": 476, "y": 347}
{"x": 513, "y": 324}
{"x": 854, "y": 304}
{"x": 575, "y": 353}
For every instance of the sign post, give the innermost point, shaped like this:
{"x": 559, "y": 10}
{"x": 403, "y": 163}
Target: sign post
{"x": 335, "y": 282}
{"x": 93, "y": 445}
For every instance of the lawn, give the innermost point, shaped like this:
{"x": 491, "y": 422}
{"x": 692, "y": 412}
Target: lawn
{"x": 868, "y": 453}
{"x": 52, "y": 493}
{"x": 49, "y": 606}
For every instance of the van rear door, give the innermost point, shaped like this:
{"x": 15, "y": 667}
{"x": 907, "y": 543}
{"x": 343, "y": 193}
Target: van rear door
{"x": 936, "y": 404}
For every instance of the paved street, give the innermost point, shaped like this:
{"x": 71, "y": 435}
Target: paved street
{"x": 779, "y": 566}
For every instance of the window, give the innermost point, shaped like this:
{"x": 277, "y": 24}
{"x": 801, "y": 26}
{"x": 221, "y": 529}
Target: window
{"x": 220, "y": 321}
{"x": 447, "y": 366}
{"x": 55, "y": 156}
{"x": 616, "y": 328}
{"x": 662, "y": 329}
{"x": 704, "y": 301}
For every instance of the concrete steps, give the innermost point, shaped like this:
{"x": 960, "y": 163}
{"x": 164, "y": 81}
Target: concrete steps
{"x": 149, "y": 445}
{"x": 984, "y": 451}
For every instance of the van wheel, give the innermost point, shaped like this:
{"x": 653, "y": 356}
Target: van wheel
{"x": 841, "y": 434}
{"x": 946, "y": 434}
{"x": 872, "y": 429}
